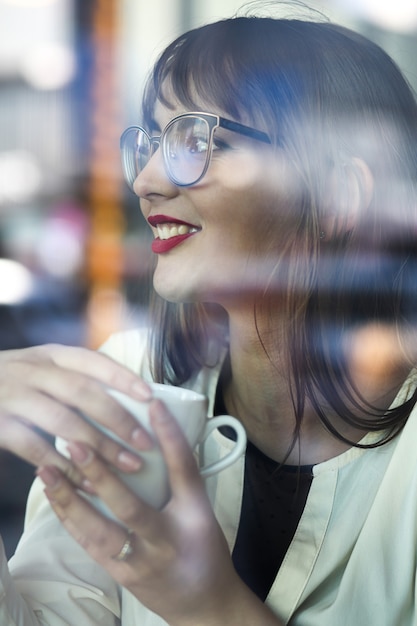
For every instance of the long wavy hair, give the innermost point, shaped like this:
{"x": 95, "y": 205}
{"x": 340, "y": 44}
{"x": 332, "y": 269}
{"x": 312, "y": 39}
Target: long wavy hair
{"x": 325, "y": 95}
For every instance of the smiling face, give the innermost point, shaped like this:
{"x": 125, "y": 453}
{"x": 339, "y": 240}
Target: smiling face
{"x": 218, "y": 240}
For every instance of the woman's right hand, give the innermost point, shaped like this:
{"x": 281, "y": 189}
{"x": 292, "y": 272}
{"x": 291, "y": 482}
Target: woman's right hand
{"x": 44, "y": 389}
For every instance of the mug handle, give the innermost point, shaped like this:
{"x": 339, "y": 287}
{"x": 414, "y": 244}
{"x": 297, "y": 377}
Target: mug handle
{"x": 238, "y": 449}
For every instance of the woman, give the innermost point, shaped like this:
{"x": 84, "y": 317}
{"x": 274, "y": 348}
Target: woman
{"x": 276, "y": 169}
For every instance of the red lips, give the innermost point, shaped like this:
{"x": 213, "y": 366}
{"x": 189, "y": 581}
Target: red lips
{"x": 164, "y": 245}
{"x": 159, "y": 246}
{"x": 154, "y": 220}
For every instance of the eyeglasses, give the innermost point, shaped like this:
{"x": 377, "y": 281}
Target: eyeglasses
{"x": 187, "y": 145}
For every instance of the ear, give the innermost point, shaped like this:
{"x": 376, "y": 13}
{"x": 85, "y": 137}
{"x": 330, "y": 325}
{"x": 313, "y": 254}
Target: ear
{"x": 349, "y": 192}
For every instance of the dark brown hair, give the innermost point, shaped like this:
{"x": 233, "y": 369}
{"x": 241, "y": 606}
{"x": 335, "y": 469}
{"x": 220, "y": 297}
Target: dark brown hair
{"x": 325, "y": 95}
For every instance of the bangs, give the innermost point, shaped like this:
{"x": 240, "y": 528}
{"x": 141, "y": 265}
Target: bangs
{"x": 224, "y": 65}
{"x": 194, "y": 69}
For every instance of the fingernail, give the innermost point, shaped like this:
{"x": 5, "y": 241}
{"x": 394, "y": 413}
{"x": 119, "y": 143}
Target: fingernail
{"x": 142, "y": 389}
{"x": 49, "y": 476}
{"x": 129, "y": 461}
{"x": 141, "y": 439}
{"x": 80, "y": 454}
{"x": 88, "y": 487}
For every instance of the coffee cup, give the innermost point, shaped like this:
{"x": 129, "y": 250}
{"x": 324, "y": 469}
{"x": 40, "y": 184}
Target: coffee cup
{"x": 151, "y": 482}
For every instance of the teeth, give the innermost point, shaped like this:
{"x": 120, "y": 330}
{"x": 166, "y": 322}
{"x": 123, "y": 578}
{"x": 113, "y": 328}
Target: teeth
{"x": 167, "y": 231}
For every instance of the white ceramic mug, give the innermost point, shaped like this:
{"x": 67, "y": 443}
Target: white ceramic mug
{"x": 189, "y": 408}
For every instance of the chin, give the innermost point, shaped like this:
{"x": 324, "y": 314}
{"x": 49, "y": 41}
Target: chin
{"x": 173, "y": 292}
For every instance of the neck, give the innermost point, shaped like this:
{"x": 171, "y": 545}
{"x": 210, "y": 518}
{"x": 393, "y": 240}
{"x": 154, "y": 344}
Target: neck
{"x": 256, "y": 385}
{"x": 257, "y": 392}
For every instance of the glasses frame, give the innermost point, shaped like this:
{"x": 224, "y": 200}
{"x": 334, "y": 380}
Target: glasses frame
{"x": 213, "y": 121}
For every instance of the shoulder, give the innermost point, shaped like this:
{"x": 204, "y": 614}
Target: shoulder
{"x": 130, "y": 348}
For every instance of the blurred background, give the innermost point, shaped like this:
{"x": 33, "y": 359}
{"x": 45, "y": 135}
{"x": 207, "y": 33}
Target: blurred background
{"x": 74, "y": 253}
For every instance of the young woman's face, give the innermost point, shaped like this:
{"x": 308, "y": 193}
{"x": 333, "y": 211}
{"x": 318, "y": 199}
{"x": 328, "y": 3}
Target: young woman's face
{"x": 237, "y": 219}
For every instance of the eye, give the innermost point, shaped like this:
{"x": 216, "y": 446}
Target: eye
{"x": 197, "y": 144}
{"x": 219, "y": 144}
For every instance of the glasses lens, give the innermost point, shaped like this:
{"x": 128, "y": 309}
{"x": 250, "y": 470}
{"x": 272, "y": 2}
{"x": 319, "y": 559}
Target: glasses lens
{"x": 136, "y": 152}
{"x": 186, "y": 149}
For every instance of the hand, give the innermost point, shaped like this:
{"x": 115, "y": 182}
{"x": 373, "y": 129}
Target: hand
{"x": 180, "y": 566}
{"x": 42, "y": 391}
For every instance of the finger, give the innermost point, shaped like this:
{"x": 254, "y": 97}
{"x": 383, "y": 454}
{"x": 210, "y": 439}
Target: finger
{"x": 99, "y": 536}
{"x": 41, "y": 394}
{"x": 125, "y": 505}
{"x": 54, "y": 418}
{"x": 73, "y": 388}
{"x": 21, "y": 440}
{"x": 182, "y": 467}
{"x": 108, "y": 371}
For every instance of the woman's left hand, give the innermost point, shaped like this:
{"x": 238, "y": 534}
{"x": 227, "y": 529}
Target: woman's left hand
{"x": 180, "y": 565}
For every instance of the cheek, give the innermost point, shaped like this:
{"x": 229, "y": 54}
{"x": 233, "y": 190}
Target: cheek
{"x": 270, "y": 187}
{"x": 272, "y": 172}
{"x": 243, "y": 171}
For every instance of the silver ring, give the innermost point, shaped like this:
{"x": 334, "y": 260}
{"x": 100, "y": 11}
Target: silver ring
{"x": 127, "y": 548}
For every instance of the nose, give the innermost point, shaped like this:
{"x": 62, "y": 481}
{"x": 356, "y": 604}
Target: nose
{"x": 153, "y": 178}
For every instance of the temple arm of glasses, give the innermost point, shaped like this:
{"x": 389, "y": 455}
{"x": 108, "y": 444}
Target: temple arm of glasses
{"x": 244, "y": 130}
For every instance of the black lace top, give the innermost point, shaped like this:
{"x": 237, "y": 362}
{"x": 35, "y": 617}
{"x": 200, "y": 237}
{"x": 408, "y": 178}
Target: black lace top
{"x": 274, "y": 497}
